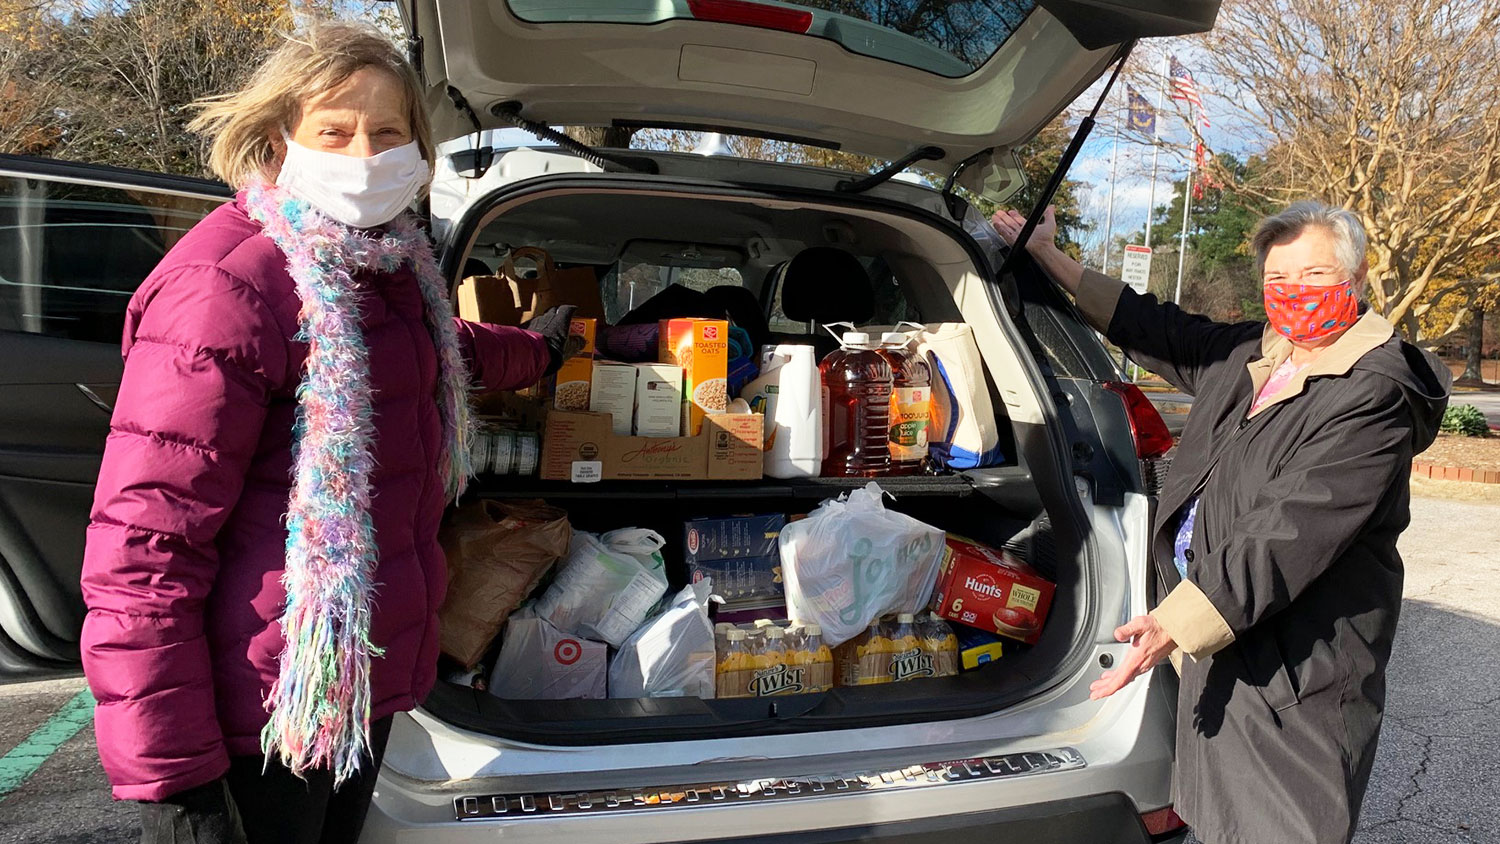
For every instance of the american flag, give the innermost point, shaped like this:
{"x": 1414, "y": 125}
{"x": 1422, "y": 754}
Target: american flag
{"x": 1185, "y": 89}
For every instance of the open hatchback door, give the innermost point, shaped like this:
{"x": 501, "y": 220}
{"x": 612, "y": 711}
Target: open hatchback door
{"x": 961, "y": 81}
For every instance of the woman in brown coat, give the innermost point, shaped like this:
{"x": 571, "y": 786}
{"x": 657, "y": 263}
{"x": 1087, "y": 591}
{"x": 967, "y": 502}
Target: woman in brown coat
{"x": 1276, "y": 531}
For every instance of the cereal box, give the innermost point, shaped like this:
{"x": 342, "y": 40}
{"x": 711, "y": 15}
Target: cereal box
{"x": 992, "y": 590}
{"x": 576, "y": 376}
{"x": 701, "y": 348}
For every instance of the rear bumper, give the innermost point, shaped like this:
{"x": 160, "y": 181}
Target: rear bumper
{"x": 1097, "y": 819}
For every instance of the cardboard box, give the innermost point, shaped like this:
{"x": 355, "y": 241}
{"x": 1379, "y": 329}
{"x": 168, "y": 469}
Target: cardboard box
{"x": 701, "y": 348}
{"x": 613, "y": 392}
{"x": 992, "y": 590}
{"x": 977, "y": 647}
{"x": 576, "y": 376}
{"x": 581, "y": 447}
{"x": 658, "y": 400}
{"x": 742, "y": 555}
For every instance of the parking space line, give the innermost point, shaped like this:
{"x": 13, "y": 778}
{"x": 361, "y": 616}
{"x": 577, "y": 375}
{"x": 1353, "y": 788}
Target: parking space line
{"x": 23, "y": 759}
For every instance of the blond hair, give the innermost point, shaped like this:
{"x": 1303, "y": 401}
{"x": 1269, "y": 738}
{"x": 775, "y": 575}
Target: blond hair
{"x": 242, "y": 124}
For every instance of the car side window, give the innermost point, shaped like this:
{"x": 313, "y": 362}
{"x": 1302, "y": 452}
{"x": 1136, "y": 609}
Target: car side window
{"x": 72, "y": 254}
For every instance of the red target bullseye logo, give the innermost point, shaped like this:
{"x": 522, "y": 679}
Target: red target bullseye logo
{"x": 568, "y": 651}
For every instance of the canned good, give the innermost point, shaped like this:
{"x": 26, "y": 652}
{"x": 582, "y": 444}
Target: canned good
{"x": 479, "y": 452}
{"x": 529, "y": 452}
{"x": 502, "y": 459}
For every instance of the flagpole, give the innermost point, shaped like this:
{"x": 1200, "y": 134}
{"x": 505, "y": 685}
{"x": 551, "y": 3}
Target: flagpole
{"x": 1109, "y": 215}
{"x": 1187, "y": 204}
{"x": 1155, "y": 148}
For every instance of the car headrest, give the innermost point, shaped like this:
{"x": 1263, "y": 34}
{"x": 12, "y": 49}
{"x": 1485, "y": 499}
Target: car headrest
{"x": 823, "y": 284}
{"x": 475, "y": 267}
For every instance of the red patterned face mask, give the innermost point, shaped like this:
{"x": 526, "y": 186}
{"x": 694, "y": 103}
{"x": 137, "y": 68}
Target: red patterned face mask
{"x": 1307, "y": 313}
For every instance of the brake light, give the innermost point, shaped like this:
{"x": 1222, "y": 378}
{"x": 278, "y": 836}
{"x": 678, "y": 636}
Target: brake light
{"x": 1162, "y": 821}
{"x": 745, "y": 13}
{"x": 1152, "y": 439}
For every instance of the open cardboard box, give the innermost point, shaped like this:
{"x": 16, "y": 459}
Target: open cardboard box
{"x": 581, "y": 447}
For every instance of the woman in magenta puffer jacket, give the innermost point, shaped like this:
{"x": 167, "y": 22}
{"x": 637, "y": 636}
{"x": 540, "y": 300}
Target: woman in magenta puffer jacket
{"x": 262, "y": 570}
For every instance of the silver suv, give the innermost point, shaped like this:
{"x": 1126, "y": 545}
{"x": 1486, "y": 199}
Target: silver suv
{"x": 1015, "y": 748}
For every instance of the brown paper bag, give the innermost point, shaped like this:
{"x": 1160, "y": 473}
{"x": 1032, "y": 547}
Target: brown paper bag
{"x": 509, "y": 299}
{"x": 497, "y": 553}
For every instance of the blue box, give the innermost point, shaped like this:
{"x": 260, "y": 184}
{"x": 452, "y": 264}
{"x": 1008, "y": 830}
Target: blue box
{"x": 741, "y": 553}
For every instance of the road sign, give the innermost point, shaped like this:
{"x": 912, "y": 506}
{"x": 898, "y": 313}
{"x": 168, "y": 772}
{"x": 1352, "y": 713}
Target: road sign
{"x": 1136, "y": 269}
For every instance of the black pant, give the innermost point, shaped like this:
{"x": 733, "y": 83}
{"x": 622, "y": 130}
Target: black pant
{"x": 274, "y": 807}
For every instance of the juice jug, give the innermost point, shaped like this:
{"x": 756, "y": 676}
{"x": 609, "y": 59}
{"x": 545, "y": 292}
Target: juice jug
{"x": 789, "y": 393}
{"x": 911, "y": 403}
{"x": 735, "y": 668}
{"x": 910, "y": 659}
{"x": 857, "y": 383}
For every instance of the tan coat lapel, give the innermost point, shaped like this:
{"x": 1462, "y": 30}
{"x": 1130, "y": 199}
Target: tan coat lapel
{"x": 1370, "y": 332}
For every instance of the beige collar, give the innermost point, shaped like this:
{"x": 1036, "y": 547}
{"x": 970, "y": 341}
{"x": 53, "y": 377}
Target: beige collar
{"x": 1369, "y": 332}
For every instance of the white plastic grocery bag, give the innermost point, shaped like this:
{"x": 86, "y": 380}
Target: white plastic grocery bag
{"x": 852, "y": 561}
{"x": 540, "y": 662}
{"x": 605, "y": 593}
{"x": 673, "y": 655}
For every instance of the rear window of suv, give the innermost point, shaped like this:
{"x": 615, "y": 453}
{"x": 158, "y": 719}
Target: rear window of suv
{"x": 948, "y": 37}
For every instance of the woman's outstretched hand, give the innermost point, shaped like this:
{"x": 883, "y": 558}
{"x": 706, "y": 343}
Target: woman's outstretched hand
{"x": 1042, "y": 245}
{"x": 1009, "y": 222}
{"x": 1149, "y": 645}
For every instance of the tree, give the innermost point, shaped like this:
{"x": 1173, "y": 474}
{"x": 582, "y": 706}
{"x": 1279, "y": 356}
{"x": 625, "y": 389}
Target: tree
{"x": 1218, "y": 276}
{"x": 112, "y": 81}
{"x": 1387, "y": 109}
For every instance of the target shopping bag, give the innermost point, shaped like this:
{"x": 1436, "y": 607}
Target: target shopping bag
{"x": 540, "y": 662}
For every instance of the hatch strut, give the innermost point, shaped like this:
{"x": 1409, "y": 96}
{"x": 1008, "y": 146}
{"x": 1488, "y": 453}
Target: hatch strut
{"x": 510, "y": 112}
{"x": 1085, "y": 126}
{"x": 478, "y": 159}
{"x": 928, "y": 153}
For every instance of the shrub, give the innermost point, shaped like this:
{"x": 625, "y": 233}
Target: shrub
{"x": 1465, "y": 419}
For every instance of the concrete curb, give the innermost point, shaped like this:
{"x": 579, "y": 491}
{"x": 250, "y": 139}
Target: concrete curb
{"x": 1451, "y": 473}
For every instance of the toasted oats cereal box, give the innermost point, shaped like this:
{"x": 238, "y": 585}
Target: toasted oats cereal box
{"x": 576, "y": 376}
{"x": 701, "y": 348}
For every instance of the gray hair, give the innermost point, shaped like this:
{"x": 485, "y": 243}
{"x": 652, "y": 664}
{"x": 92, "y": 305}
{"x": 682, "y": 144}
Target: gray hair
{"x": 1348, "y": 232}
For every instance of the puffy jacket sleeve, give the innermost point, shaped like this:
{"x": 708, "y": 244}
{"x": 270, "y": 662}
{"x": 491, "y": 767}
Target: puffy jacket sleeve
{"x": 202, "y": 355}
{"x": 1181, "y": 347}
{"x": 502, "y": 357}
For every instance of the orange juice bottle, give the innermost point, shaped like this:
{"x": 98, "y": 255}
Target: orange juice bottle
{"x": 873, "y": 656}
{"x": 942, "y": 643}
{"x": 774, "y": 672}
{"x": 735, "y": 668}
{"x": 910, "y": 659}
{"x": 818, "y": 660}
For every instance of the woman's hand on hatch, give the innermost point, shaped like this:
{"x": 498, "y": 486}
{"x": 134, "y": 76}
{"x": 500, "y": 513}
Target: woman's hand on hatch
{"x": 1149, "y": 645}
{"x": 1009, "y": 222}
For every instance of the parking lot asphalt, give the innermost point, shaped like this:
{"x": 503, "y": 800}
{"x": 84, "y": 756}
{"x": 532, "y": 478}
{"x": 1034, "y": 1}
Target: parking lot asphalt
{"x": 1435, "y": 777}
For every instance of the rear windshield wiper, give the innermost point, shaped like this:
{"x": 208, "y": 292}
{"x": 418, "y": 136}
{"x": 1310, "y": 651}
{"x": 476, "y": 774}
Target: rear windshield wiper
{"x": 510, "y": 112}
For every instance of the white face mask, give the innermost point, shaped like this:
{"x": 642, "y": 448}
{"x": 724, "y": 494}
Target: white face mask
{"x": 358, "y": 192}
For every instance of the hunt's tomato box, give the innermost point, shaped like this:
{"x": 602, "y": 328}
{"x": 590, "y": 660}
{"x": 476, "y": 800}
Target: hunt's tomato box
{"x": 992, "y": 590}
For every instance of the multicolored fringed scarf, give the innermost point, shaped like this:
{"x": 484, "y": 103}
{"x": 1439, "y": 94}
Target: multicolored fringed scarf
{"x": 320, "y": 702}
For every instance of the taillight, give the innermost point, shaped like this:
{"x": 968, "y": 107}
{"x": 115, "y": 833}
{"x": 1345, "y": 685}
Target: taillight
{"x": 1152, "y": 439}
{"x": 746, "y": 13}
{"x": 1162, "y": 821}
